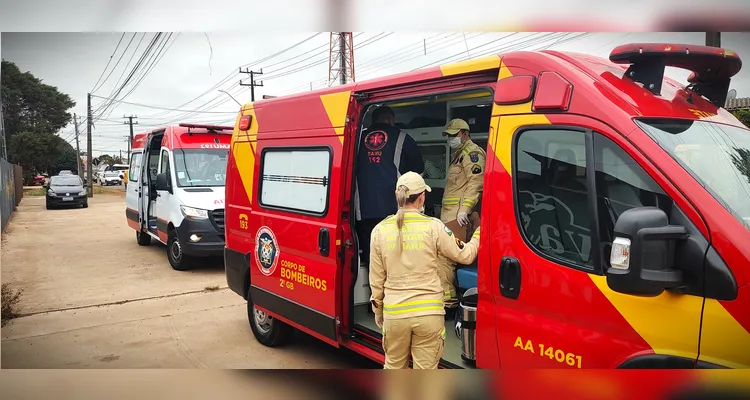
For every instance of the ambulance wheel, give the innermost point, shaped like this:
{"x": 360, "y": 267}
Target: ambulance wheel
{"x": 143, "y": 239}
{"x": 177, "y": 259}
{"x": 266, "y": 329}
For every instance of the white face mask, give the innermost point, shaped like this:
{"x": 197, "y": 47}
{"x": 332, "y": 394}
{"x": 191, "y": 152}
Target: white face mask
{"x": 454, "y": 142}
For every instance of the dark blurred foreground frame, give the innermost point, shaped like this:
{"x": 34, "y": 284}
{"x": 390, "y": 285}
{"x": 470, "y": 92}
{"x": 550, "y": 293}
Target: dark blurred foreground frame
{"x": 366, "y": 385}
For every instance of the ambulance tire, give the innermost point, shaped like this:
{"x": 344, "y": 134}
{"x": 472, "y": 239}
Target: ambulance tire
{"x": 143, "y": 239}
{"x": 177, "y": 259}
{"x": 266, "y": 329}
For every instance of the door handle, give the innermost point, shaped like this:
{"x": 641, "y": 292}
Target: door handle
{"x": 510, "y": 277}
{"x": 324, "y": 240}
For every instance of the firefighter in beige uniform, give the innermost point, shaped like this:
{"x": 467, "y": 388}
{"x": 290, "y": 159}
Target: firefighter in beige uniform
{"x": 407, "y": 295}
{"x": 463, "y": 189}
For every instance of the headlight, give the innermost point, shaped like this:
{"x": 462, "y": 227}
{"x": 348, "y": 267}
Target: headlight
{"x": 194, "y": 213}
{"x": 83, "y": 193}
{"x": 50, "y": 192}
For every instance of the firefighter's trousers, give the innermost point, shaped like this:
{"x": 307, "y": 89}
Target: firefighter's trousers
{"x": 447, "y": 273}
{"x": 422, "y": 337}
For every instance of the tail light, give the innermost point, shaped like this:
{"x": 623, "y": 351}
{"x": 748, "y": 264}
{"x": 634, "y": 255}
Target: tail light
{"x": 245, "y": 122}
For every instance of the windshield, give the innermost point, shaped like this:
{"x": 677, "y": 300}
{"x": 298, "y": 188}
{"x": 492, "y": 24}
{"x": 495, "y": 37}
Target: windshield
{"x": 65, "y": 181}
{"x": 111, "y": 173}
{"x": 717, "y": 155}
{"x": 201, "y": 167}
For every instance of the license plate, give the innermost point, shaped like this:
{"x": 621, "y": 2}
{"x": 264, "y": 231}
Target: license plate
{"x": 67, "y": 199}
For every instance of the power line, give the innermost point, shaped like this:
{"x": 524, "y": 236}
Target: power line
{"x": 160, "y": 107}
{"x": 110, "y": 60}
{"x": 117, "y": 63}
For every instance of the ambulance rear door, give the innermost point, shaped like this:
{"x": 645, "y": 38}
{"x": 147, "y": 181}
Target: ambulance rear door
{"x": 296, "y": 216}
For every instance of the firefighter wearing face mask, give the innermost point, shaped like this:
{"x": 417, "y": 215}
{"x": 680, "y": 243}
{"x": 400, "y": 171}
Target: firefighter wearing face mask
{"x": 463, "y": 188}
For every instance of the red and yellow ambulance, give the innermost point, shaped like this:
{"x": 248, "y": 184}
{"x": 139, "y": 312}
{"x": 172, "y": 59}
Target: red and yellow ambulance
{"x": 615, "y": 217}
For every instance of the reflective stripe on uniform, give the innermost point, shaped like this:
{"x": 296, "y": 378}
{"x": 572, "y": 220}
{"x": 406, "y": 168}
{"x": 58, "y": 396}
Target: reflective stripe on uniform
{"x": 449, "y": 294}
{"x": 468, "y": 203}
{"x": 420, "y": 305}
{"x": 442, "y": 333}
{"x": 451, "y": 201}
{"x": 409, "y": 218}
{"x": 397, "y": 153}
{"x": 475, "y": 235}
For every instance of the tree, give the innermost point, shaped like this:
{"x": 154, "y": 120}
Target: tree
{"x": 743, "y": 116}
{"x": 32, "y": 113}
{"x": 30, "y": 105}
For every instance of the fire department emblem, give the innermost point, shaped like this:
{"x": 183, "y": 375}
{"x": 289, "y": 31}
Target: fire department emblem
{"x": 266, "y": 251}
{"x": 376, "y": 140}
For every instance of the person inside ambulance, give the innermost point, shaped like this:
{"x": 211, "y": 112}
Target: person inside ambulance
{"x": 385, "y": 153}
{"x": 463, "y": 188}
{"x": 407, "y": 295}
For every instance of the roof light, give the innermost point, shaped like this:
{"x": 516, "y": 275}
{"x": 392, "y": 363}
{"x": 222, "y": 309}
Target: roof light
{"x": 712, "y": 67}
{"x": 245, "y": 122}
{"x": 514, "y": 89}
{"x": 208, "y": 127}
{"x": 553, "y": 92}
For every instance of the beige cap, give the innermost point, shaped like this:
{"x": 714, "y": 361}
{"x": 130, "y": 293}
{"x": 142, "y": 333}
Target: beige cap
{"x": 454, "y": 126}
{"x": 414, "y": 182}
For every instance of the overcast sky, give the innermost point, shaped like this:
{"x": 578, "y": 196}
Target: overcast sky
{"x": 194, "y": 66}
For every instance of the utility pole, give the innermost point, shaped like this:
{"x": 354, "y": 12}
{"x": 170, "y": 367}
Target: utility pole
{"x": 78, "y": 148}
{"x": 252, "y": 83}
{"x": 130, "y": 122}
{"x": 713, "y": 39}
{"x": 89, "y": 161}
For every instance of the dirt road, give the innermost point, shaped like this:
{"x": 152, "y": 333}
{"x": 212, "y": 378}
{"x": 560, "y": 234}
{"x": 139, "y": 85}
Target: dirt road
{"x": 93, "y": 298}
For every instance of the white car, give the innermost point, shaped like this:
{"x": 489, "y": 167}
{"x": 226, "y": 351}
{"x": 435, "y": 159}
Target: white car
{"x": 111, "y": 178}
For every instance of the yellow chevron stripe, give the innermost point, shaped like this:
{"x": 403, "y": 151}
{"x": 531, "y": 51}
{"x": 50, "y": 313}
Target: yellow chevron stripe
{"x": 336, "y": 106}
{"x": 723, "y": 340}
{"x": 244, "y": 154}
{"x": 506, "y": 120}
{"x": 464, "y": 67}
{"x": 669, "y": 323}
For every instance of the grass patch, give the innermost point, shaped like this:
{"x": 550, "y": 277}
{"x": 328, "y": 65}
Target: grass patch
{"x": 10, "y": 299}
{"x": 211, "y": 288}
{"x": 37, "y": 191}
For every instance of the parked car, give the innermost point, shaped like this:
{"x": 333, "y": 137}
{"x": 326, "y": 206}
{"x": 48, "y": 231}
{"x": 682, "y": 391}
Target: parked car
{"x": 39, "y": 180}
{"x": 111, "y": 178}
{"x": 66, "y": 190}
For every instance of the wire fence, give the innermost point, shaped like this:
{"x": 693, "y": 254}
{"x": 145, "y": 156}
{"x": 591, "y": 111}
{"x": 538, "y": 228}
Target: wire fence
{"x": 12, "y": 190}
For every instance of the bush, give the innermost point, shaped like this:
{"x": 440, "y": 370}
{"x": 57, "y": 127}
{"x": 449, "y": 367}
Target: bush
{"x": 10, "y": 299}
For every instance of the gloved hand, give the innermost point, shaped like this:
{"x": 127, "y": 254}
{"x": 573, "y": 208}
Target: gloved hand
{"x": 463, "y": 218}
{"x": 379, "y": 320}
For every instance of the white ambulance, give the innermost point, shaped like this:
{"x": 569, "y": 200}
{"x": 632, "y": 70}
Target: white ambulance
{"x": 178, "y": 199}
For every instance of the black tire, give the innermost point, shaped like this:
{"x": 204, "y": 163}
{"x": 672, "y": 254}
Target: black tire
{"x": 177, "y": 259}
{"x": 49, "y": 207}
{"x": 143, "y": 239}
{"x": 266, "y": 329}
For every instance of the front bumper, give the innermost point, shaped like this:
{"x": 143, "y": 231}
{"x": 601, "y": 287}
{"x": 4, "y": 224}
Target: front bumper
{"x": 59, "y": 200}
{"x": 113, "y": 182}
{"x": 211, "y": 240}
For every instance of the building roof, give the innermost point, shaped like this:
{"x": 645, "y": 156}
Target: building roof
{"x": 737, "y": 103}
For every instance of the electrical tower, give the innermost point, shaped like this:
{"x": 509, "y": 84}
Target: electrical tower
{"x": 341, "y": 58}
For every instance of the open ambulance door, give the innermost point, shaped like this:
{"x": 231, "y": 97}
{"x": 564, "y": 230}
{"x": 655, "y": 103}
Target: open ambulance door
{"x": 296, "y": 267}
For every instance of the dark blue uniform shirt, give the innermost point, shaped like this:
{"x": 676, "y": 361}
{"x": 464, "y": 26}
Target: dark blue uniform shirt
{"x": 385, "y": 153}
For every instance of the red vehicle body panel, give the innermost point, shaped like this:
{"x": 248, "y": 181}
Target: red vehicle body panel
{"x": 561, "y": 308}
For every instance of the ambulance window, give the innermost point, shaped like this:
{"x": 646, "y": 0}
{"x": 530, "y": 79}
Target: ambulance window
{"x": 135, "y": 167}
{"x": 164, "y": 167}
{"x": 552, "y": 195}
{"x": 435, "y": 160}
{"x": 296, "y": 180}
{"x": 621, "y": 184}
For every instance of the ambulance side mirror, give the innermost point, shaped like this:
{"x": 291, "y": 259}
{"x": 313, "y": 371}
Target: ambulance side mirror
{"x": 162, "y": 182}
{"x": 643, "y": 253}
